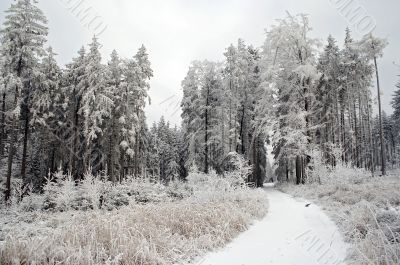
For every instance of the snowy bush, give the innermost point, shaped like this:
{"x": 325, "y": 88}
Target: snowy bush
{"x": 237, "y": 168}
{"x": 325, "y": 174}
{"x": 138, "y": 221}
{"x": 115, "y": 197}
{"x": 62, "y": 193}
{"x": 32, "y": 203}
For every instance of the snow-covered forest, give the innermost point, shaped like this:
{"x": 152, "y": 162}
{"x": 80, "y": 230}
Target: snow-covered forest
{"x": 85, "y": 179}
{"x": 312, "y": 106}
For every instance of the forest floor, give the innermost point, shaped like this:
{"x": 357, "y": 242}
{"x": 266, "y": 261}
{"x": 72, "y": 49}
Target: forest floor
{"x": 293, "y": 232}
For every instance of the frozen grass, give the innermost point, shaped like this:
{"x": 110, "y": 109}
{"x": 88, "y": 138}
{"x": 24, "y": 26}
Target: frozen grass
{"x": 155, "y": 224}
{"x": 366, "y": 209}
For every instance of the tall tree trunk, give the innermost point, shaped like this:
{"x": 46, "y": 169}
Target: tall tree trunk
{"x": 122, "y": 170}
{"x": 383, "y": 161}
{"x": 11, "y": 158}
{"x": 223, "y": 132}
{"x": 393, "y": 144}
{"x": 242, "y": 131}
{"x": 26, "y": 137}
{"x": 306, "y": 159}
{"x": 74, "y": 152}
{"x": 255, "y": 160}
{"x": 304, "y": 163}
{"x": 206, "y": 134}
{"x": 14, "y": 136}
{"x": 351, "y": 134}
{"x": 230, "y": 116}
{"x": 343, "y": 129}
{"x": 371, "y": 143}
{"x": 299, "y": 170}
{"x": 110, "y": 166}
{"x": 3, "y": 125}
{"x": 338, "y": 121}
{"x": 287, "y": 169}
{"x": 26, "y": 114}
{"x": 51, "y": 163}
{"x": 136, "y": 156}
{"x": 357, "y": 135}
{"x": 362, "y": 130}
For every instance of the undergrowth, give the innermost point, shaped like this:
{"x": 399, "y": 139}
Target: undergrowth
{"x": 136, "y": 222}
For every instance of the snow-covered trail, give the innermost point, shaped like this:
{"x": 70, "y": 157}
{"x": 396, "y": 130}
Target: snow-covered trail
{"x": 290, "y": 234}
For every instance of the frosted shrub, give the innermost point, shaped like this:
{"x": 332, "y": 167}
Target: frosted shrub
{"x": 389, "y": 221}
{"x": 320, "y": 172}
{"x": 375, "y": 233}
{"x": 343, "y": 174}
{"x": 32, "y": 203}
{"x": 90, "y": 191}
{"x": 115, "y": 197}
{"x": 237, "y": 169}
{"x": 319, "y": 168}
{"x": 136, "y": 222}
{"x": 213, "y": 187}
{"x": 178, "y": 190}
{"x": 60, "y": 193}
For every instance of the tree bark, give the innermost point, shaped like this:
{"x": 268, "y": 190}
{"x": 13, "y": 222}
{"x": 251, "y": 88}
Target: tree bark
{"x": 299, "y": 170}
{"x": 230, "y": 116}
{"x": 371, "y": 141}
{"x": 3, "y": 125}
{"x": 14, "y": 132}
{"x": 206, "y": 134}
{"x": 242, "y": 131}
{"x": 74, "y": 153}
{"x": 110, "y": 167}
{"x": 383, "y": 161}
{"x": 25, "y": 141}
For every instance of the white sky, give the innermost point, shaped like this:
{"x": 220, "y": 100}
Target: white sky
{"x": 177, "y": 32}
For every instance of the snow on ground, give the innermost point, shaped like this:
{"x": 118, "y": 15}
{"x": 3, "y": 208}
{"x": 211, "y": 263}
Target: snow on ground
{"x": 366, "y": 210}
{"x": 290, "y": 234}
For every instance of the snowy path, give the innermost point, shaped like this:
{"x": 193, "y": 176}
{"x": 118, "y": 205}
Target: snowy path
{"x": 290, "y": 234}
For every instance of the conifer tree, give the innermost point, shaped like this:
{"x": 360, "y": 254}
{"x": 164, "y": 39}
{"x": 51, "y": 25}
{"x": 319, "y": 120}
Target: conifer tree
{"x": 22, "y": 38}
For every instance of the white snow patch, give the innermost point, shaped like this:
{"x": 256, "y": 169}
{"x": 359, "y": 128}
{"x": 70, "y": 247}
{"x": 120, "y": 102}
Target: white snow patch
{"x": 291, "y": 233}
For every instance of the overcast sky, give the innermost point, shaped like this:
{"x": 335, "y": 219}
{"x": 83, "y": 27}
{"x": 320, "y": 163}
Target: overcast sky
{"x": 177, "y": 32}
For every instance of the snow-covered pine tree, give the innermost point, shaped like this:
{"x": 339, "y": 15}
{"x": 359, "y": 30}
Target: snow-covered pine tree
{"x": 231, "y": 84}
{"x": 113, "y": 127}
{"x": 48, "y": 116}
{"x": 153, "y": 156}
{"x": 390, "y": 140}
{"x": 137, "y": 73}
{"x": 144, "y": 75}
{"x": 396, "y": 112}
{"x": 328, "y": 95}
{"x": 203, "y": 106}
{"x": 190, "y": 113}
{"x": 373, "y": 48}
{"x": 75, "y": 87}
{"x": 96, "y": 107}
{"x": 22, "y": 38}
{"x": 210, "y": 93}
{"x": 3, "y": 97}
{"x": 293, "y": 76}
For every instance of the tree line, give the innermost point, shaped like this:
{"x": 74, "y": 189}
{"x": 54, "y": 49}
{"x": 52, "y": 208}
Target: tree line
{"x": 219, "y": 115}
{"x": 305, "y": 101}
{"x": 87, "y": 117}
{"x": 300, "y": 101}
